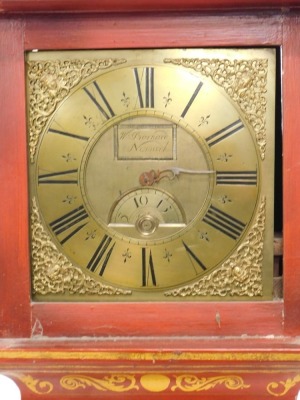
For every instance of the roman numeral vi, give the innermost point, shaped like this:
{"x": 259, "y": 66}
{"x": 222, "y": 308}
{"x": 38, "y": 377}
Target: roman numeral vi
{"x": 147, "y": 269}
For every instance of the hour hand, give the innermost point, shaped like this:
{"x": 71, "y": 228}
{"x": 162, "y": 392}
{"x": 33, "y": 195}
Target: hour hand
{"x": 148, "y": 178}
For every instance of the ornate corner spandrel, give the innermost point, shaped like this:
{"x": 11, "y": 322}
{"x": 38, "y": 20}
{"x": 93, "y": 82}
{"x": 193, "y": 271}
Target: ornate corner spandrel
{"x": 49, "y": 82}
{"x": 245, "y": 81}
{"x": 53, "y": 273}
{"x": 241, "y": 274}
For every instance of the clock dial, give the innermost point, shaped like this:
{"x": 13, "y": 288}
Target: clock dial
{"x": 147, "y": 175}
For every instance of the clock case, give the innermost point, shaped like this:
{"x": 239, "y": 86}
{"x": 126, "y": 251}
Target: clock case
{"x": 42, "y": 343}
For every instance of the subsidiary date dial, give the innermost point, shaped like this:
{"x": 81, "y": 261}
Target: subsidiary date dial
{"x": 147, "y": 212}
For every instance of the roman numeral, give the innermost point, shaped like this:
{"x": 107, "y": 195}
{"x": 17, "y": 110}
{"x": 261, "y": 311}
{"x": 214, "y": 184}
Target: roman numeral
{"x": 145, "y": 86}
{"x": 71, "y": 135}
{"x": 102, "y": 253}
{"x": 147, "y": 269}
{"x": 194, "y": 257}
{"x": 62, "y": 177}
{"x": 236, "y": 178}
{"x": 190, "y": 102}
{"x": 101, "y": 103}
{"x": 224, "y": 223}
{"x": 224, "y": 133}
{"x": 72, "y": 233}
{"x": 68, "y": 220}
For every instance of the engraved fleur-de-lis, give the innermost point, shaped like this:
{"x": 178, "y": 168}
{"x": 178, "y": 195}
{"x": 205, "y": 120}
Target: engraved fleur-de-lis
{"x": 69, "y": 199}
{"x": 167, "y": 255}
{"x": 204, "y": 120}
{"x": 91, "y": 234}
{"x": 88, "y": 121}
{"x": 68, "y": 157}
{"x": 224, "y": 157}
{"x": 204, "y": 236}
{"x": 225, "y": 199}
{"x": 126, "y": 255}
{"x": 125, "y": 100}
{"x": 167, "y": 99}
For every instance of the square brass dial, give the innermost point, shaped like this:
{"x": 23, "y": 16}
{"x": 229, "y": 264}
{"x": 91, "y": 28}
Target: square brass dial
{"x": 151, "y": 174}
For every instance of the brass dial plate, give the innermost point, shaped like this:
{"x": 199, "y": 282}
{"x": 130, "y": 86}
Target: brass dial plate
{"x": 148, "y": 175}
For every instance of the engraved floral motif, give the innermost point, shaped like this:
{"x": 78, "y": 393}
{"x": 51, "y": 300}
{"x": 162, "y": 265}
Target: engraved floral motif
{"x": 53, "y": 273}
{"x": 245, "y": 81}
{"x": 113, "y": 383}
{"x": 241, "y": 274}
{"x": 49, "y": 82}
{"x": 167, "y": 99}
{"x": 168, "y": 255}
{"x": 125, "y": 100}
{"x": 204, "y": 120}
{"x": 191, "y": 383}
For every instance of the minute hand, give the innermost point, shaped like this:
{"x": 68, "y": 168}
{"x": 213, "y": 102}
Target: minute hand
{"x": 151, "y": 177}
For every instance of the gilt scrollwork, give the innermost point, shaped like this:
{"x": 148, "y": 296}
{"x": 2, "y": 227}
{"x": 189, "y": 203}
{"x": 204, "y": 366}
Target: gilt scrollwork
{"x": 281, "y": 388}
{"x": 128, "y": 382}
{"x": 245, "y": 81}
{"x": 192, "y": 383}
{"x": 241, "y": 274}
{"x": 112, "y": 383}
{"x": 49, "y": 82}
{"x": 53, "y": 273}
{"x": 36, "y": 385}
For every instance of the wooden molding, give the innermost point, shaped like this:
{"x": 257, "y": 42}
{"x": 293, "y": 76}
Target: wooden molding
{"x": 45, "y": 6}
